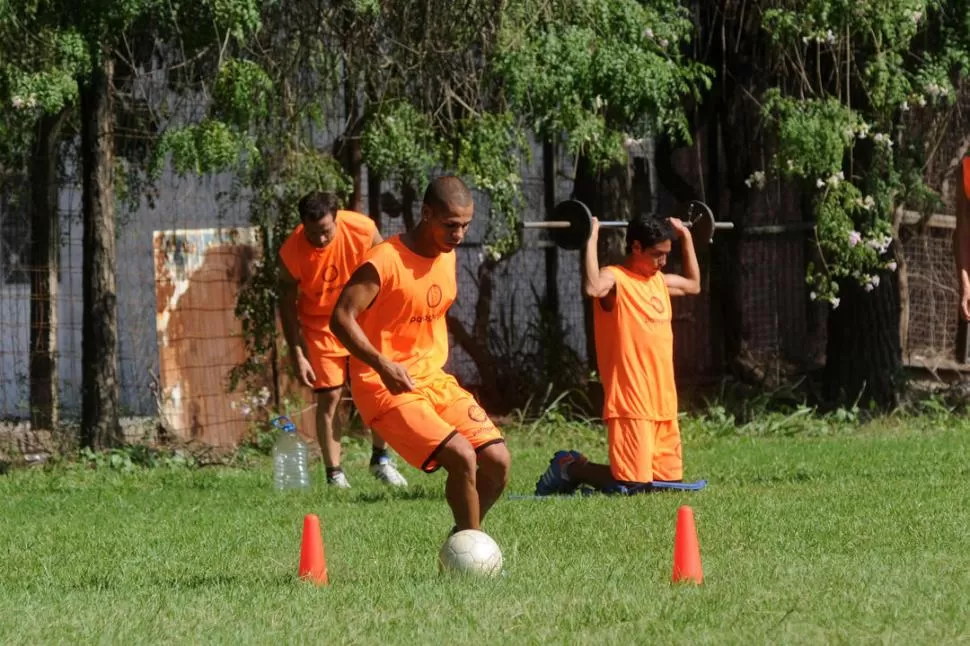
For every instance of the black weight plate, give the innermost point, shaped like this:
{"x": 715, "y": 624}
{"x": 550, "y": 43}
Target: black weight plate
{"x": 580, "y": 222}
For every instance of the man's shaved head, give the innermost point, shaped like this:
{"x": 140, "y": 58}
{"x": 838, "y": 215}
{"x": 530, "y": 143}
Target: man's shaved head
{"x": 446, "y": 193}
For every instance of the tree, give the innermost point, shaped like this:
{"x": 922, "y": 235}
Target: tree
{"x": 79, "y": 55}
{"x": 857, "y": 93}
{"x": 37, "y": 90}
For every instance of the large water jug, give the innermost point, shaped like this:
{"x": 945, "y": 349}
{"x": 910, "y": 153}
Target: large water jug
{"x": 291, "y": 457}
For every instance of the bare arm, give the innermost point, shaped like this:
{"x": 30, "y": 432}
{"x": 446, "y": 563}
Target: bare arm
{"x": 357, "y": 295}
{"x": 690, "y": 282}
{"x": 961, "y": 247}
{"x": 289, "y": 291}
{"x": 597, "y": 282}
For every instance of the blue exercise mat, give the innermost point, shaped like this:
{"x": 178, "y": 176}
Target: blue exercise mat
{"x": 622, "y": 490}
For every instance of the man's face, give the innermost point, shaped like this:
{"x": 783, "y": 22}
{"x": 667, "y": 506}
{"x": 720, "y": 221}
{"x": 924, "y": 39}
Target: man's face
{"x": 320, "y": 232}
{"x": 650, "y": 260}
{"x": 448, "y": 226}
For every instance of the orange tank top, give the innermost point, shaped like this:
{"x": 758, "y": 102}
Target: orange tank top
{"x": 635, "y": 349}
{"x": 406, "y": 322}
{"x": 322, "y": 272}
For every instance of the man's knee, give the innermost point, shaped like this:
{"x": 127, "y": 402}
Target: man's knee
{"x": 328, "y": 399}
{"x": 457, "y": 456}
{"x": 495, "y": 461}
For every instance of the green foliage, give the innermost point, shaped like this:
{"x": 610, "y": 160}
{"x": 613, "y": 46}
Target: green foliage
{"x": 242, "y": 93}
{"x": 853, "y": 73}
{"x": 399, "y": 143}
{"x": 599, "y": 71}
{"x": 136, "y": 456}
{"x": 210, "y": 146}
{"x": 491, "y": 149}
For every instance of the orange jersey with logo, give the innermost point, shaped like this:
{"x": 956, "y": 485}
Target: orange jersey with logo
{"x": 635, "y": 348}
{"x": 323, "y": 272}
{"x": 405, "y": 323}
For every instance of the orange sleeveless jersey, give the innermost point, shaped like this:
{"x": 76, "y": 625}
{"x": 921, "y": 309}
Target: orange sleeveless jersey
{"x": 635, "y": 349}
{"x": 405, "y": 323}
{"x": 323, "y": 272}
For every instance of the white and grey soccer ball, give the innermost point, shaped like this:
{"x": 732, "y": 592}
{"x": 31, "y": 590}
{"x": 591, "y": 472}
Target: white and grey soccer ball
{"x": 470, "y": 551}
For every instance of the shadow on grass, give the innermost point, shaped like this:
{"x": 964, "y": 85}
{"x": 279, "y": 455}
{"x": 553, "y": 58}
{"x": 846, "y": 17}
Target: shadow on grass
{"x": 410, "y": 493}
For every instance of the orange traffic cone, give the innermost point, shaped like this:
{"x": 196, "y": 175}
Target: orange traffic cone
{"x": 313, "y": 563}
{"x": 687, "y": 553}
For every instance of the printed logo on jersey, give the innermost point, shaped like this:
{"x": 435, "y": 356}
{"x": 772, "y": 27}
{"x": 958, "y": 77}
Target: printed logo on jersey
{"x": 434, "y": 296}
{"x": 330, "y": 273}
{"x": 656, "y": 304}
{"x": 477, "y": 414}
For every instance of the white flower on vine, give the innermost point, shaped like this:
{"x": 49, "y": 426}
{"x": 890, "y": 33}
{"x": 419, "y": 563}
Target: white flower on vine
{"x": 880, "y": 244}
{"x": 820, "y": 183}
{"x": 854, "y": 238}
{"x": 922, "y": 101}
{"x": 834, "y": 180}
{"x": 806, "y": 39}
{"x": 892, "y": 266}
{"x": 867, "y": 203}
{"x": 664, "y": 42}
{"x": 863, "y": 130}
{"x": 812, "y": 296}
{"x": 835, "y": 300}
{"x": 904, "y": 106}
{"x": 875, "y": 281}
{"x": 830, "y": 37}
{"x": 915, "y": 16}
{"x": 757, "y": 179}
{"x": 790, "y": 164}
{"x": 648, "y": 33}
{"x": 245, "y": 410}
{"x": 18, "y": 102}
{"x": 868, "y": 287}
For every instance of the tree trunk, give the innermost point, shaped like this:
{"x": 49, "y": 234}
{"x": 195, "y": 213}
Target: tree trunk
{"x": 374, "y": 197}
{"x": 552, "y": 252}
{"x": 350, "y": 146}
{"x": 45, "y": 258}
{"x": 863, "y": 358}
{"x": 99, "y": 347}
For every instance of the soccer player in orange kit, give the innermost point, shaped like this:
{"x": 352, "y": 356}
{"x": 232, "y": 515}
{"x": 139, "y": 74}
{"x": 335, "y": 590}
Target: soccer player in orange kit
{"x": 635, "y": 357}
{"x": 315, "y": 262}
{"x": 391, "y": 317}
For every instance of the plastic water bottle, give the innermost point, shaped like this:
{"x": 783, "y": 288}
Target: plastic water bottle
{"x": 291, "y": 458}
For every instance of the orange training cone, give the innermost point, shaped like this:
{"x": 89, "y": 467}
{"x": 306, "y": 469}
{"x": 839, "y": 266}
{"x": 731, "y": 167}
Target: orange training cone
{"x": 313, "y": 564}
{"x": 687, "y": 553}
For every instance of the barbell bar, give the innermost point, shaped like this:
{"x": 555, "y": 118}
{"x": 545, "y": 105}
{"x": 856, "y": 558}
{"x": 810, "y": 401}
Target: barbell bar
{"x": 571, "y": 223}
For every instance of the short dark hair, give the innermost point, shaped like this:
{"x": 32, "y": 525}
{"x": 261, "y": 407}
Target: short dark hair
{"x": 444, "y": 192}
{"x": 648, "y": 231}
{"x": 315, "y": 205}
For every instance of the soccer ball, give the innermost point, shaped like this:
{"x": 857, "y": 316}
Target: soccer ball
{"x": 470, "y": 552}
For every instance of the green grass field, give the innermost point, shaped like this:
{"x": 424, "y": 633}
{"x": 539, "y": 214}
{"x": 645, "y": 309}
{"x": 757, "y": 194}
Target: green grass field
{"x": 855, "y": 536}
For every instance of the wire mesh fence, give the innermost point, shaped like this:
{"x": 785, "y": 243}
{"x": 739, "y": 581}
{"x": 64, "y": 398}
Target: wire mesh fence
{"x": 183, "y": 258}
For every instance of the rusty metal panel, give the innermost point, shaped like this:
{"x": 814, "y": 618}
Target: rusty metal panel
{"x": 198, "y": 276}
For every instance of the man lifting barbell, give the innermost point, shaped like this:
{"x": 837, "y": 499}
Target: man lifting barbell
{"x": 634, "y": 353}
{"x": 571, "y": 223}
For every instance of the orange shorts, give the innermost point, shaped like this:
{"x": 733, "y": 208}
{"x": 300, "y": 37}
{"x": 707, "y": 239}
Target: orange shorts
{"x": 330, "y": 369}
{"x": 643, "y": 450}
{"x": 417, "y": 429}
